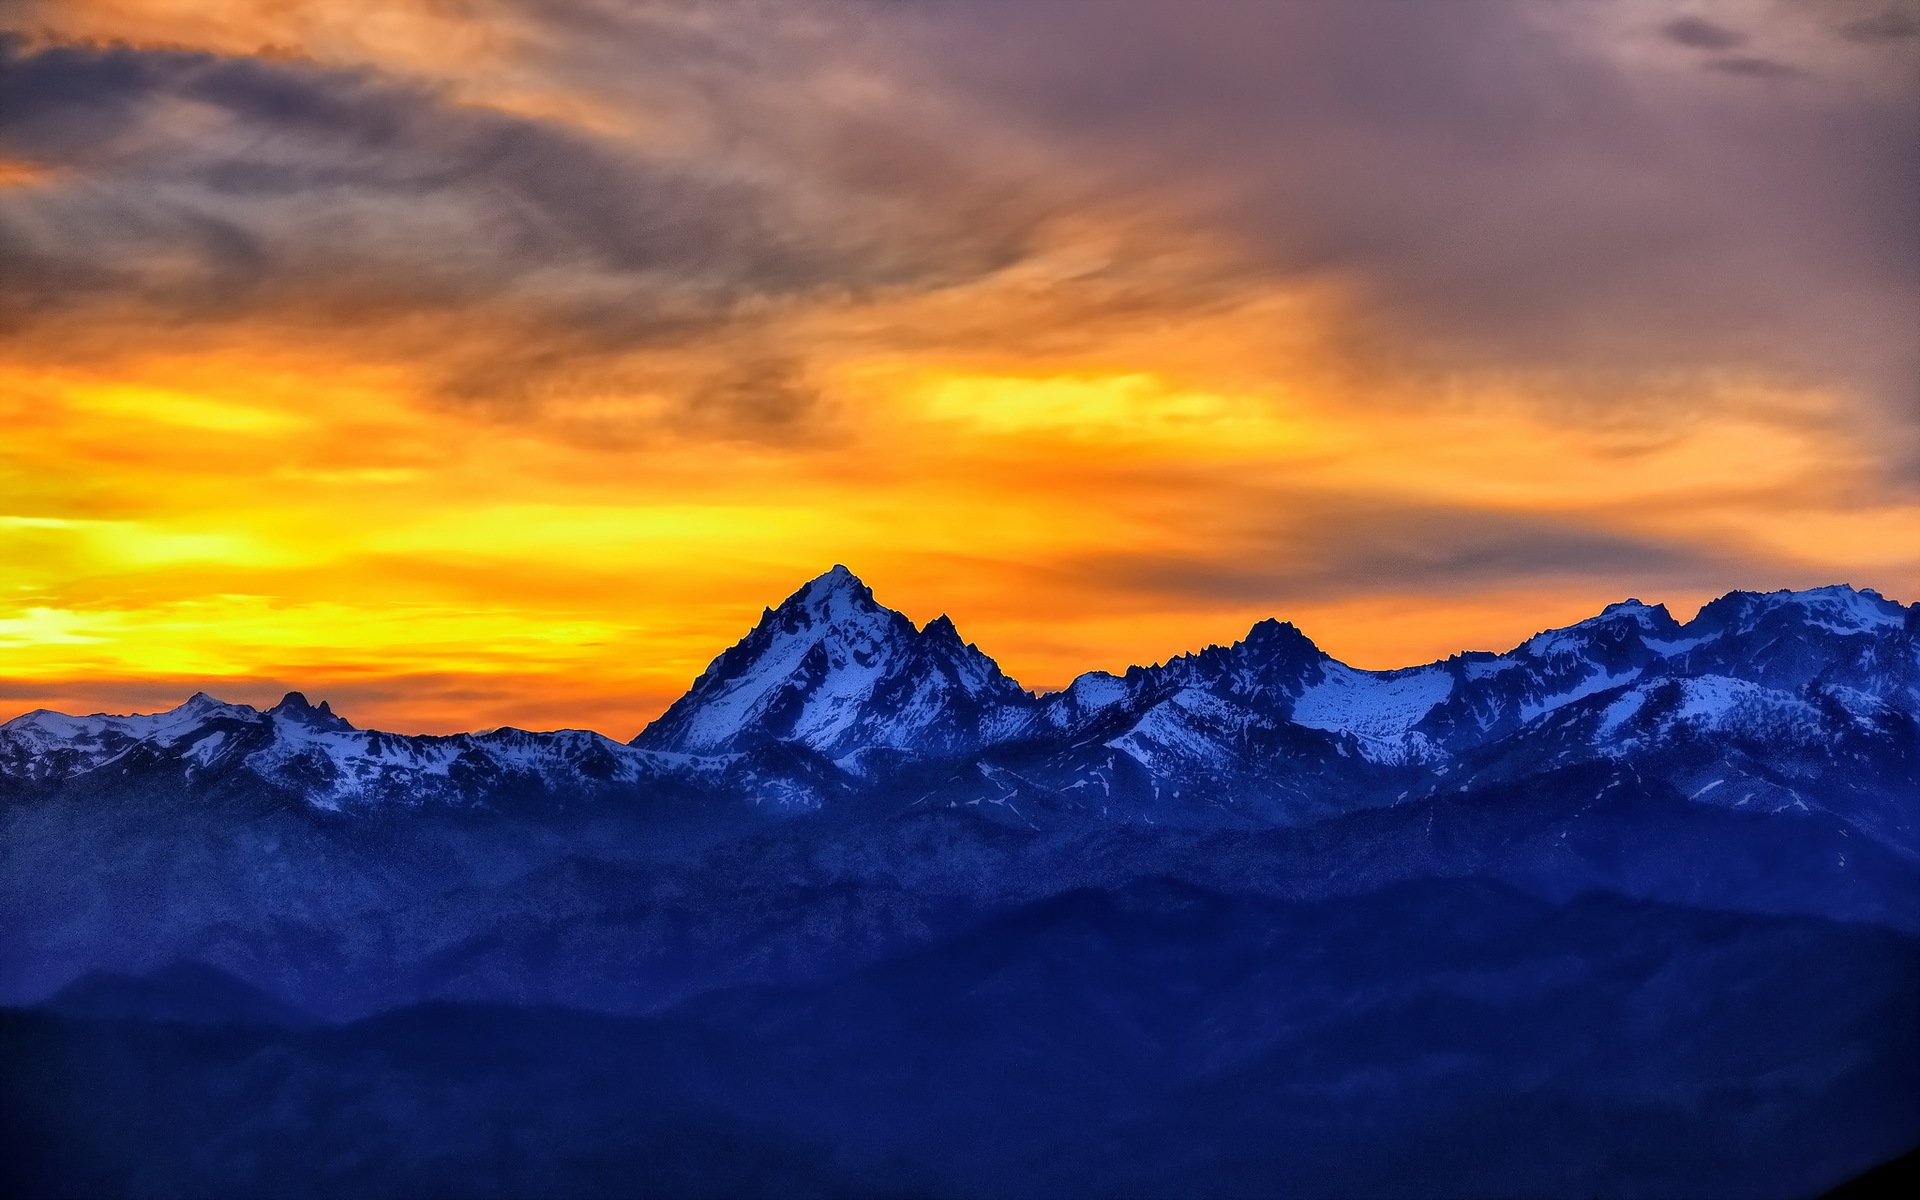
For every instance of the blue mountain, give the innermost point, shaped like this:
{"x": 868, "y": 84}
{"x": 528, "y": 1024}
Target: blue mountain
{"x": 1631, "y": 908}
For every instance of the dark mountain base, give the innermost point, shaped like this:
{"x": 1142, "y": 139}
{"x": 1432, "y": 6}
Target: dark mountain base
{"x": 1901, "y": 1177}
{"x": 1438, "y": 1039}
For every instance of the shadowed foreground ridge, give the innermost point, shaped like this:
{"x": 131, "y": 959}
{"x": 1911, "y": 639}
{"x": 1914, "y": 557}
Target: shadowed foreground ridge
{"x": 1632, "y": 909}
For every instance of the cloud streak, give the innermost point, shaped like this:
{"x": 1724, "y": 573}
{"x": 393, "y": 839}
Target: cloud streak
{"x": 191, "y": 188}
{"x": 1701, "y": 34}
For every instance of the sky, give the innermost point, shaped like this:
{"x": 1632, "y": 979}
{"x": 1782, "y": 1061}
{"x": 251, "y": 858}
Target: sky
{"x": 481, "y": 362}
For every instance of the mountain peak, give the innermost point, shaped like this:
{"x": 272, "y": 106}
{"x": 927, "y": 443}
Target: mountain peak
{"x": 1838, "y": 608}
{"x": 837, "y": 595}
{"x": 203, "y": 705}
{"x": 1273, "y": 636}
{"x": 836, "y": 581}
{"x": 834, "y": 669}
{"x": 295, "y": 707}
{"x": 1650, "y": 616}
{"x": 1625, "y": 619}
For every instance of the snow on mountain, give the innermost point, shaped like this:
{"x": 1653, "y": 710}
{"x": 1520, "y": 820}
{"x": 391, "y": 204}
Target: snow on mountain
{"x": 1827, "y": 637}
{"x": 1836, "y": 609}
{"x": 832, "y": 670}
{"x": 1617, "y": 624}
{"x": 1379, "y": 708}
{"x": 832, "y": 696}
{"x": 49, "y": 745}
{"x": 1270, "y": 666}
{"x": 312, "y": 751}
{"x": 1662, "y": 708}
{"x": 335, "y": 765}
{"x": 1191, "y": 730}
{"x": 1495, "y": 695}
{"x": 1085, "y": 699}
{"x": 1391, "y": 717}
{"x": 1197, "y": 712}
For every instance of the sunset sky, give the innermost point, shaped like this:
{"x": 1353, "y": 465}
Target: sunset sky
{"x": 479, "y": 362}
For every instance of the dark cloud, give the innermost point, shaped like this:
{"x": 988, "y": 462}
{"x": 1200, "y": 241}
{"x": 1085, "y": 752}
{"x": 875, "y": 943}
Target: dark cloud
{"x": 186, "y": 188}
{"x": 1893, "y": 25}
{"x": 531, "y": 194}
{"x": 1702, "y": 34}
{"x": 768, "y": 394}
{"x": 1510, "y": 186}
{"x": 1503, "y": 186}
{"x": 1754, "y": 67}
{"x": 1358, "y": 547}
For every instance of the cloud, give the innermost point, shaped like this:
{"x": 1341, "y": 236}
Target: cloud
{"x": 1501, "y": 187}
{"x": 1893, "y": 25}
{"x": 1755, "y": 68}
{"x": 1507, "y": 187}
{"x": 585, "y": 323}
{"x": 1345, "y": 546}
{"x": 1701, "y": 34}
{"x": 767, "y": 393}
{"x": 189, "y": 189}
{"x": 287, "y": 149}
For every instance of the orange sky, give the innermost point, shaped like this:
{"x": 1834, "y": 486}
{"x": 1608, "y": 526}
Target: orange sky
{"x": 485, "y": 363}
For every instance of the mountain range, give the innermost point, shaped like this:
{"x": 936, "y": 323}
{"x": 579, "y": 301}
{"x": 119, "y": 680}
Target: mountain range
{"x": 1631, "y": 909}
{"x": 835, "y": 699}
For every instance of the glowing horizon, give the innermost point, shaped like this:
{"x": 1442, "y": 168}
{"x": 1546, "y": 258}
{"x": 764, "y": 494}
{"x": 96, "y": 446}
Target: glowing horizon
{"x": 496, "y": 364}
{"x": 262, "y": 693}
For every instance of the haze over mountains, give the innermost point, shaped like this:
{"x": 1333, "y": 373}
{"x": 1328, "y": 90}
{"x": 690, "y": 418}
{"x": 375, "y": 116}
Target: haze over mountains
{"x": 1630, "y": 909}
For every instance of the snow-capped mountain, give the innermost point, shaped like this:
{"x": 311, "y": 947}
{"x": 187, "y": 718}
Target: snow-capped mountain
{"x": 1853, "y": 645}
{"x": 1786, "y": 700}
{"x": 309, "y": 751}
{"x": 44, "y": 745}
{"x": 833, "y": 671}
{"x": 1641, "y": 876}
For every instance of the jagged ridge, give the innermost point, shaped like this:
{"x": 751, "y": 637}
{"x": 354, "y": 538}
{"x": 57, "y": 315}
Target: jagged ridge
{"x": 833, "y": 697}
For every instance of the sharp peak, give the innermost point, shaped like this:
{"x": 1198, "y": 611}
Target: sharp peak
{"x": 1273, "y": 632}
{"x": 838, "y": 577}
{"x": 1267, "y": 633}
{"x": 1270, "y": 637}
{"x": 942, "y": 630}
{"x": 1269, "y": 626}
{"x": 295, "y": 706}
{"x": 838, "y": 581}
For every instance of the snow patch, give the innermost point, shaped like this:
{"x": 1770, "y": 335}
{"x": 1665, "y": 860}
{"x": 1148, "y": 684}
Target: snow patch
{"x": 1380, "y": 709}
